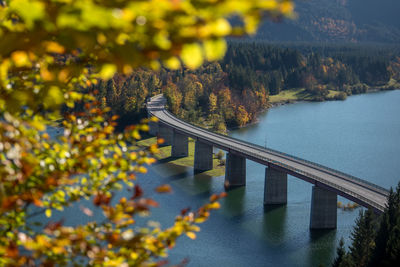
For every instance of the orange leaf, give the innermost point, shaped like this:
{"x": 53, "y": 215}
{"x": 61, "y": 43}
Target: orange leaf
{"x": 12, "y": 250}
{"x": 164, "y": 189}
{"x": 37, "y": 202}
{"x": 223, "y": 194}
{"x": 151, "y": 202}
{"x": 213, "y": 198}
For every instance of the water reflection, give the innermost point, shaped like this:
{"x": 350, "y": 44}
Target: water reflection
{"x": 204, "y": 182}
{"x": 323, "y": 246}
{"x": 234, "y": 204}
{"x": 274, "y": 224}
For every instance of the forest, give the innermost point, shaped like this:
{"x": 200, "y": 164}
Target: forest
{"x": 231, "y": 92}
{"x": 375, "y": 238}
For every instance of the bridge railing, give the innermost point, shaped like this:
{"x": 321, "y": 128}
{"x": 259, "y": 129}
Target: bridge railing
{"x": 323, "y": 181}
{"x": 343, "y": 175}
{"x": 336, "y": 186}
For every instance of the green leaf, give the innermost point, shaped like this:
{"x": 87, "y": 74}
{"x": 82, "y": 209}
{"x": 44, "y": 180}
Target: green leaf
{"x": 54, "y": 97}
{"x": 29, "y": 10}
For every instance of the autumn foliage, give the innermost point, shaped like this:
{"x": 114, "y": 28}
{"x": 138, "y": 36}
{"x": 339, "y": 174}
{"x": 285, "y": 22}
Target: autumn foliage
{"x": 57, "y": 143}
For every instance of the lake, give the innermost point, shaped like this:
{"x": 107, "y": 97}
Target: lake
{"x": 359, "y": 136}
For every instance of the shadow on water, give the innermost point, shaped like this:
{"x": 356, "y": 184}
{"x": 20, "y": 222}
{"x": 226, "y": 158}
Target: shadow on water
{"x": 179, "y": 176}
{"x": 204, "y": 182}
{"x": 234, "y": 203}
{"x": 166, "y": 160}
{"x": 316, "y": 235}
{"x": 274, "y": 224}
{"x": 323, "y": 247}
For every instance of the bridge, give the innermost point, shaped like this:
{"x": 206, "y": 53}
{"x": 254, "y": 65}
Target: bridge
{"x": 328, "y": 183}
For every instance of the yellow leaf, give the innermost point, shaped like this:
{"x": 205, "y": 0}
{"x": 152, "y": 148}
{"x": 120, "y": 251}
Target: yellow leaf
{"x": 270, "y": 4}
{"x": 172, "y": 63}
{"x": 214, "y": 205}
{"x": 142, "y": 169}
{"x": 38, "y": 125}
{"x": 54, "y": 97}
{"x": 4, "y": 65}
{"x": 215, "y": 49}
{"x": 200, "y": 219}
{"x": 20, "y": 59}
{"x": 191, "y": 235}
{"x": 192, "y": 55}
{"x": 48, "y": 213}
{"x": 222, "y": 27}
{"x": 287, "y": 8}
{"x": 107, "y": 71}
{"x": 53, "y": 47}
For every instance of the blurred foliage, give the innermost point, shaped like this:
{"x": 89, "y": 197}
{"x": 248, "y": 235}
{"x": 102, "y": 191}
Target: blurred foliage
{"x": 52, "y": 52}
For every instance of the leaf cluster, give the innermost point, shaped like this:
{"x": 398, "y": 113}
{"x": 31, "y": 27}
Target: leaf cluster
{"x": 58, "y": 144}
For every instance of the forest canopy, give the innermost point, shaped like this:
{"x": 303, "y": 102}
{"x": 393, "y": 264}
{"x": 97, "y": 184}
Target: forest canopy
{"x": 232, "y": 91}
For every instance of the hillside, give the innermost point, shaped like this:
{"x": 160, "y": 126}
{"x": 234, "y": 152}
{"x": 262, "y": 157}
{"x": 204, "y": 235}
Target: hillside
{"x": 347, "y": 21}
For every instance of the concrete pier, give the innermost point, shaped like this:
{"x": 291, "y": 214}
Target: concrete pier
{"x": 203, "y": 157}
{"x": 235, "y": 170}
{"x": 323, "y": 209}
{"x": 179, "y": 145}
{"x": 153, "y": 128}
{"x": 275, "y": 187}
{"x": 165, "y": 132}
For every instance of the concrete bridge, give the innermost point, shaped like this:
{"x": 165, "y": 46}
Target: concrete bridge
{"x": 328, "y": 183}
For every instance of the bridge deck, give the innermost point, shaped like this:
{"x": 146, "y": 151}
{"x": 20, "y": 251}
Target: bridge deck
{"x": 350, "y": 187}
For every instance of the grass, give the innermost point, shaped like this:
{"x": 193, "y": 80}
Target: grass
{"x": 164, "y": 156}
{"x": 393, "y": 82}
{"x": 290, "y": 95}
{"x": 332, "y": 94}
{"x": 299, "y": 94}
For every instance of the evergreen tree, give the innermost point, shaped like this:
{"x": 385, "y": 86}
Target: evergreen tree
{"x": 387, "y": 241}
{"x": 340, "y": 254}
{"x": 371, "y": 247}
{"x": 363, "y": 237}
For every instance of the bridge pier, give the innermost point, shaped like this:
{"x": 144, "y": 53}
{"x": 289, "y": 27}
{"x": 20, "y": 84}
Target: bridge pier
{"x": 235, "y": 170}
{"x": 203, "y": 157}
{"x": 179, "y": 145}
{"x": 153, "y": 128}
{"x": 165, "y": 132}
{"x": 275, "y": 187}
{"x": 323, "y": 209}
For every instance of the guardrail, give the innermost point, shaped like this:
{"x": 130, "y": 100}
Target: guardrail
{"x": 229, "y": 140}
{"x": 321, "y": 167}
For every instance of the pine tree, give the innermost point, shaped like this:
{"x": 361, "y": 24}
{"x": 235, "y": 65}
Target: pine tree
{"x": 382, "y": 238}
{"x": 387, "y": 252}
{"x": 363, "y": 237}
{"x": 340, "y": 254}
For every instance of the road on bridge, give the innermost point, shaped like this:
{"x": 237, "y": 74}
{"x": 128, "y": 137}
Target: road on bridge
{"x": 350, "y": 187}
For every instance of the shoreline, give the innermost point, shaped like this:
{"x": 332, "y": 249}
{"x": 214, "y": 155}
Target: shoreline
{"x": 294, "y": 101}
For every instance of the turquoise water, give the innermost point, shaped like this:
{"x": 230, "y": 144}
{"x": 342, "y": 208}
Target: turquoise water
{"x": 359, "y": 136}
